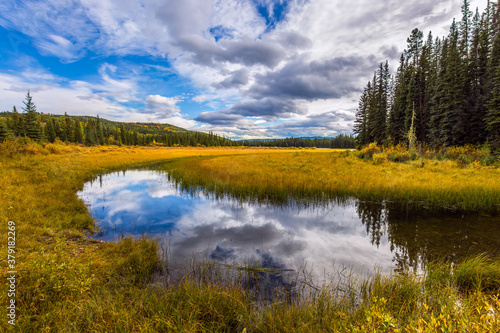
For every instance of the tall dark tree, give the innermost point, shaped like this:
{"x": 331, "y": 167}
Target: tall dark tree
{"x": 360, "y": 124}
{"x": 99, "y": 131}
{"x": 448, "y": 88}
{"x": 17, "y": 123}
{"x": 68, "y": 128}
{"x": 50, "y": 130}
{"x": 78, "y": 131}
{"x": 478, "y": 66}
{"x": 452, "y": 103}
{"x": 465, "y": 27}
{"x": 396, "y": 121}
{"x": 32, "y": 127}
{"x": 415, "y": 44}
{"x": 4, "y": 132}
{"x": 493, "y": 105}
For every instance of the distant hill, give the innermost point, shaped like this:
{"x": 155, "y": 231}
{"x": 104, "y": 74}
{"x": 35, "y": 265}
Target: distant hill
{"x": 144, "y": 128}
{"x": 90, "y": 130}
{"x": 97, "y": 131}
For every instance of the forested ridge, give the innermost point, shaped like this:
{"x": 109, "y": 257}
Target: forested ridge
{"x": 446, "y": 91}
{"x": 93, "y": 131}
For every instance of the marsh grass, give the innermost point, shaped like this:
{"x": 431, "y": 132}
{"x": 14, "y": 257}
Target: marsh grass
{"x": 70, "y": 283}
{"x": 322, "y": 176}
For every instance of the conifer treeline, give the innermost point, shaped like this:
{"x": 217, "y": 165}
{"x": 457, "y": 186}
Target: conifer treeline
{"x": 340, "y": 141}
{"x": 93, "y": 131}
{"x": 448, "y": 88}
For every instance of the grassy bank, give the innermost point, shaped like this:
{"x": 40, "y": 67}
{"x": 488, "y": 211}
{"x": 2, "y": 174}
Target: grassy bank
{"x": 67, "y": 282}
{"x": 318, "y": 175}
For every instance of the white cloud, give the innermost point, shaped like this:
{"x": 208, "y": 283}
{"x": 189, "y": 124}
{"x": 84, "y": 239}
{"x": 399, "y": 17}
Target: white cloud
{"x": 225, "y": 50}
{"x": 157, "y": 101}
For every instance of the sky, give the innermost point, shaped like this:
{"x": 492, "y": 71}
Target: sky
{"x": 240, "y": 68}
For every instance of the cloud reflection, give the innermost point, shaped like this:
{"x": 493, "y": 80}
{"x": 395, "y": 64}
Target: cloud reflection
{"x": 145, "y": 202}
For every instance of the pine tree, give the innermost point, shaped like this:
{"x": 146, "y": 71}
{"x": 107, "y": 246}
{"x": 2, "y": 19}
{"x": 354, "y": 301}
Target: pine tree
{"x": 453, "y": 125}
{"x": 50, "y": 130}
{"x": 18, "y": 123}
{"x": 493, "y": 104}
{"x": 123, "y": 135}
{"x": 477, "y": 81}
{"x": 90, "y": 134}
{"x": 4, "y": 132}
{"x": 360, "y": 126}
{"x": 68, "y": 128}
{"x": 415, "y": 43}
{"x": 396, "y": 120}
{"x": 371, "y": 110}
{"x": 31, "y": 125}
{"x": 78, "y": 131}
{"x": 465, "y": 27}
{"x": 99, "y": 131}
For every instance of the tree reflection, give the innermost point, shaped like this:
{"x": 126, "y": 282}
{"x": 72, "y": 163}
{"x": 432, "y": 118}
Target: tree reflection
{"x": 418, "y": 236}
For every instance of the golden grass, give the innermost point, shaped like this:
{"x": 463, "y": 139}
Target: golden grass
{"x": 70, "y": 283}
{"x": 322, "y": 174}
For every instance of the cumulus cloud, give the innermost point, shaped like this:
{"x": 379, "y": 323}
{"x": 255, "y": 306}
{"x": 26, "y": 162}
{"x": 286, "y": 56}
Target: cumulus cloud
{"x": 234, "y": 80}
{"x": 162, "y": 106}
{"x": 247, "y": 62}
{"x": 310, "y": 80}
{"x": 269, "y": 108}
{"x": 245, "y": 51}
{"x": 220, "y": 118}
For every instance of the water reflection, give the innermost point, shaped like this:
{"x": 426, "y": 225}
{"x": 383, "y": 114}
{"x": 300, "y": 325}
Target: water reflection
{"x": 356, "y": 234}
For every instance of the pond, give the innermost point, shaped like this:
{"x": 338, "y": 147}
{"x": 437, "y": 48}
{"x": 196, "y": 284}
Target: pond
{"x": 360, "y": 236}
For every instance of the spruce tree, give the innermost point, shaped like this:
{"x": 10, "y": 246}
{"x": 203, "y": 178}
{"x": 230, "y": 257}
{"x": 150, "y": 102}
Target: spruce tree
{"x": 396, "y": 120}
{"x": 415, "y": 43}
{"x": 123, "y": 135}
{"x": 90, "y": 133}
{"x": 50, "y": 130}
{"x": 493, "y": 104}
{"x": 493, "y": 115}
{"x": 31, "y": 125}
{"x": 465, "y": 27}
{"x": 453, "y": 124}
{"x": 360, "y": 125}
{"x": 78, "y": 131}
{"x": 477, "y": 79}
{"x": 68, "y": 128}
{"x": 18, "y": 123}
{"x": 4, "y": 132}
{"x": 99, "y": 131}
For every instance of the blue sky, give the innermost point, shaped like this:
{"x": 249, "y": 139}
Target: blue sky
{"x": 241, "y": 68}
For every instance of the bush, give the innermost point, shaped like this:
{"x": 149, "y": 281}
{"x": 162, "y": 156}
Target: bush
{"x": 400, "y": 156}
{"x": 379, "y": 158}
{"x": 413, "y": 155}
{"x": 368, "y": 151}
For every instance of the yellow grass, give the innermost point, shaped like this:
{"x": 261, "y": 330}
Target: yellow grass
{"x": 67, "y": 282}
{"x": 326, "y": 174}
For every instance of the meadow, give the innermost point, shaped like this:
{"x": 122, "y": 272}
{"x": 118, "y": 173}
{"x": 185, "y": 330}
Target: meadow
{"x": 67, "y": 282}
{"x": 321, "y": 175}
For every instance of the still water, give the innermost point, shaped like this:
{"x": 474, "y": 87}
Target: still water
{"x": 362, "y": 236}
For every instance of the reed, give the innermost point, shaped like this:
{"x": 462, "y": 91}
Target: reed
{"x": 316, "y": 176}
{"x": 70, "y": 283}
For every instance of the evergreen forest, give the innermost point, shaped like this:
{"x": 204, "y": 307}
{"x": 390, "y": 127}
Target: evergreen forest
{"x": 446, "y": 91}
{"x": 91, "y": 131}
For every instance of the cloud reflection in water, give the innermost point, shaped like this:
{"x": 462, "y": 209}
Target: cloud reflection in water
{"x": 143, "y": 202}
